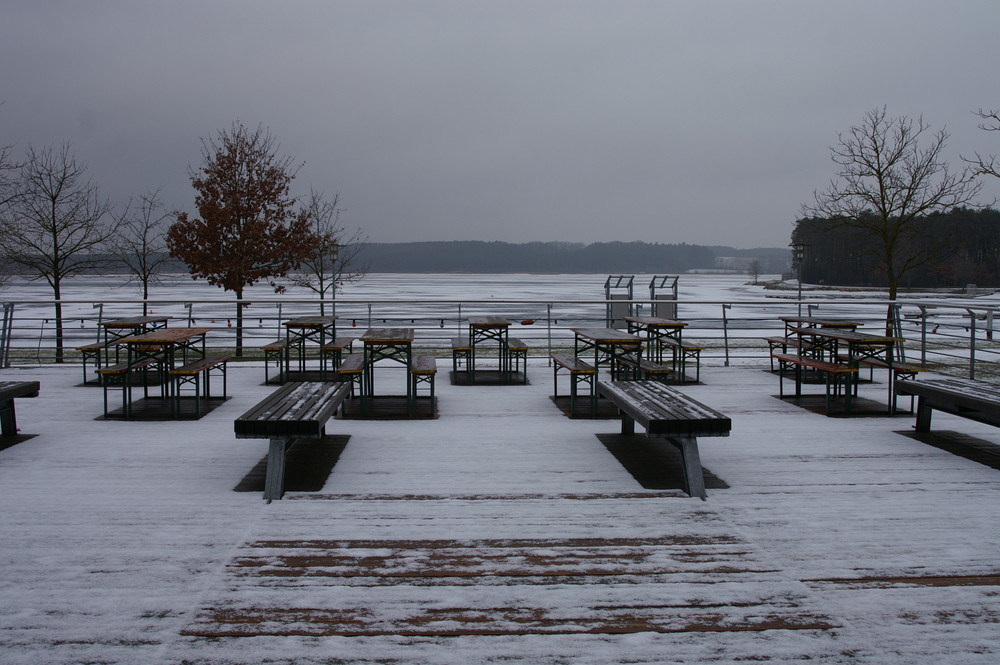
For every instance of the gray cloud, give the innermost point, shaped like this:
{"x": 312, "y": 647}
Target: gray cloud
{"x": 516, "y": 120}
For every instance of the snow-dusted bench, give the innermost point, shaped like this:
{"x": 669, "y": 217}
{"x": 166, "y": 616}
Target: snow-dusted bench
{"x": 671, "y": 415}
{"x": 294, "y": 411}
{"x": 975, "y": 400}
{"x": 10, "y": 390}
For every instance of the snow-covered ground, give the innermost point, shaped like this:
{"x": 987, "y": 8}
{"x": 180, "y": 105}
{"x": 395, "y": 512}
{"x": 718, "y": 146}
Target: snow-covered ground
{"x": 501, "y": 532}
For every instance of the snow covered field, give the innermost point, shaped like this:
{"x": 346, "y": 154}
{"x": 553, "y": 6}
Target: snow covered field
{"x": 501, "y": 532}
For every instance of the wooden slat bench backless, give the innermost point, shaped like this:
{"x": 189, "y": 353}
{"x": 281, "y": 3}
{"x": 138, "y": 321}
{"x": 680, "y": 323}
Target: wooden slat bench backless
{"x": 833, "y": 373}
{"x": 274, "y": 352}
{"x": 295, "y": 411}
{"x": 199, "y": 375}
{"x": 580, "y": 372}
{"x": 9, "y": 390}
{"x": 668, "y": 414}
{"x": 518, "y": 351}
{"x": 423, "y": 369}
{"x": 975, "y": 400}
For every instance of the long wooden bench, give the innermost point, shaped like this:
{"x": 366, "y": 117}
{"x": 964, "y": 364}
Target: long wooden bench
{"x": 119, "y": 376}
{"x": 461, "y": 352}
{"x": 975, "y": 400}
{"x": 581, "y": 373}
{"x": 91, "y": 353}
{"x": 198, "y": 374}
{"x": 274, "y": 352}
{"x": 9, "y": 391}
{"x": 334, "y": 352}
{"x": 833, "y": 373}
{"x": 518, "y": 351}
{"x": 666, "y": 413}
{"x": 423, "y": 369}
{"x": 898, "y": 371}
{"x": 296, "y": 411}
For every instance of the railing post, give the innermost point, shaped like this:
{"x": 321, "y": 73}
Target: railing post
{"x": 5, "y": 333}
{"x": 725, "y": 330}
{"x": 972, "y": 343}
{"x": 923, "y": 334}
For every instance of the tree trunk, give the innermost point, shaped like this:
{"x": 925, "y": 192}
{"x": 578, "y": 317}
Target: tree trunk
{"x": 59, "y": 326}
{"x": 239, "y": 324}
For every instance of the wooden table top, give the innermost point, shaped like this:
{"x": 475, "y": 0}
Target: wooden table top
{"x": 655, "y": 322}
{"x": 133, "y": 322}
{"x": 822, "y": 323}
{"x": 488, "y": 322}
{"x": 849, "y": 336}
{"x": 387, "y": 336}
{"x": 606, "y": 335}
{"x": 310, "y": 322}
{"x": 165, "y": 336}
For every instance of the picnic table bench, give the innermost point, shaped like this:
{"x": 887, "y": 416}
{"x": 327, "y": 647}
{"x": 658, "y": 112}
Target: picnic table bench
{"x": 198, "y": 373}
{"x": 119, "y": 376}
{"x": 274, "y": 352}
{"x": 668, "y": 414}
{"x": 580, "y": 373}
{"x": 968, "y": 398}
{"x": 9, "y": 391}
{"x": 423, "y": 369}
{"x": 833, "y": 373}
{"x": 296, "y": 411}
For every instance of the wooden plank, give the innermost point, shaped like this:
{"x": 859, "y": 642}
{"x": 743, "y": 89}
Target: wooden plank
{"x": 12, "y": 389}
{"x": 296, "y": 410}
{"x": 664, "y": 411}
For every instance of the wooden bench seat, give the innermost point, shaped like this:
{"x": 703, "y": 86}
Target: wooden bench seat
{"x": 198, "y": 373}
{"x": 9, "y": 391}
{"x": 968, "y": 398}
{"x": 581, "y": 373}
{"x": 666, "y": 413}
{"x": 647, "y": 369}
{"x": 461, "y": 352}
{"x": 518, "y": 351}
{"x": 274, "y": 352}
{"x": 681, "y": 354}
{"x": 334, "y": 352}
{"x": 783, "y": 344}
{"x": 119, "y": 376}
{"x": 834, "y": 374}
{"x": 294, "y": 412}
{"x": 423, "y": 369}
{"x": 93, "y": 352}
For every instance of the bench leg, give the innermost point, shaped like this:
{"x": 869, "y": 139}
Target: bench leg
{"x": 8, "y": 418}
{"x": 694, "y": 478}
{"x": 923, "y": 415}
{"x": 274, "y": 480}
{"x": 628, "y": 423}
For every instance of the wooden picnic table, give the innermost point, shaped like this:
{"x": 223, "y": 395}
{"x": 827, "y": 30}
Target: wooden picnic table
{"x": 483, "y": 329}
{"x": 659, "y": 333}
{"x": 301, "y": 330}
{"x": 394, "y": 344}
{"x": 607, "y": 346}
{"x": 794, "y": 322}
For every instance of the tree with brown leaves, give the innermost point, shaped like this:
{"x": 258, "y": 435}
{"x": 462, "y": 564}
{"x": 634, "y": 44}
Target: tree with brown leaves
{"x": 249, "y": 228}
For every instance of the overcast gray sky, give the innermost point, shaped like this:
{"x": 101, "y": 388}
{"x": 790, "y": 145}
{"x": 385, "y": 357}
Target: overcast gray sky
{"x": 697, "y": 121}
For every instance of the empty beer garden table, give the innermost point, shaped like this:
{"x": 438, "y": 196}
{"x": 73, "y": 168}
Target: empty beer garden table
{"x": 659, "y": 333}
{"x": 116, "y": 329}
{"x": 853, "y": 347}
{"x": 299, "y": 331}
{"x": 794, "y": 322}
{"x": 385, "y": 344}
{"x": 607, "y": 346}
{"x": 482, "y": 330}
{"x": 163, "y": 348}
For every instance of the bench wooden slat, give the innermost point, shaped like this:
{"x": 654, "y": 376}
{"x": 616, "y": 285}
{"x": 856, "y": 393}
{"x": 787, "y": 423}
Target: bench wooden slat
{"x": 516, "y": 345}
{"x": 664, "y": 411}
{"x": 460, "y": 344}
{"x": 338, "y": 345}
{"x": 276, "y": 345}
{"x": 201, "y": 365}
{"x": 572, "y": 363}
{"x": 968, "y": 398}
{"x": 352, "y": 364}
{"x": 814, "y": 363}
{"x": 123, "y": 368}
{"x": 12, "y": 389}
{"x": 423, "y": 364}
{"x": 296, "y": 410}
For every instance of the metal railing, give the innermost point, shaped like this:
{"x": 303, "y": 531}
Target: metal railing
{"x": 957, "y": 337}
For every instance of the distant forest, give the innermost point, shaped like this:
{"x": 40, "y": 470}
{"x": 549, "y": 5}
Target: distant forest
{"x": 956, "y": 248}
{"x": 564, "y": 257}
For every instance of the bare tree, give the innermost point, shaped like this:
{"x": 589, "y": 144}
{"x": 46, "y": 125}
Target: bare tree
{"x": 986, "y": 165}
{"x": 888, "y": 182}
{"x": 754, "y": 268}
{"x": 142, "y": 244}
{"x": 335, "y": 261}
{"x": 57, "y": 224}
